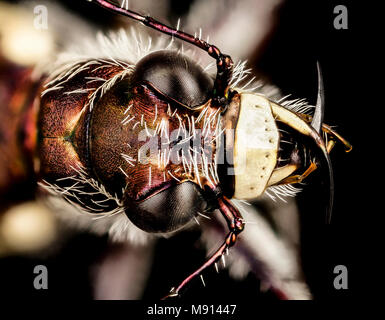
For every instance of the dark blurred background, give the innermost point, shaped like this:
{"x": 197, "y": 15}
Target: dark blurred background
{"x": 303, "y": 35}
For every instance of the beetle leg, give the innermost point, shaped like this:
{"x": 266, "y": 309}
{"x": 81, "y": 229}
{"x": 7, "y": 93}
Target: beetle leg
{"x": 236, "y": 225}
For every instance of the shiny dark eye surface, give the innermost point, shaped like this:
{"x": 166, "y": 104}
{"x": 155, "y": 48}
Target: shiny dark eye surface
{"x": 169, "y": 210}
{"x": 175, "y": 76}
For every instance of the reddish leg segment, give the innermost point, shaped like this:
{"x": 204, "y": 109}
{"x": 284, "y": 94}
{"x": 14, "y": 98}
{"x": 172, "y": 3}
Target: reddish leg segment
{"x": 236, "y": 225}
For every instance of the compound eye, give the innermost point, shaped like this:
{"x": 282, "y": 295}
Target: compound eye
{"x": 175, "y": 76}
{"x": 169, "y": 210}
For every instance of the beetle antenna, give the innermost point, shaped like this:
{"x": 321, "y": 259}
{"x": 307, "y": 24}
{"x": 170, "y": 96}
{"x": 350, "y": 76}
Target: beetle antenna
{"x": 224, "y": 62}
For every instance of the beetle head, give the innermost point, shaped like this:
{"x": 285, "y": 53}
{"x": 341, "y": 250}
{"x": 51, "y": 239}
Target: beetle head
{"x": 169, "y": 93}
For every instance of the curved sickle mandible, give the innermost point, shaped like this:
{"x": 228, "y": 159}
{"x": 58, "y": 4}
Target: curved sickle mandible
{"x": 319, "y": 111}
{"x": 316, "y": 123}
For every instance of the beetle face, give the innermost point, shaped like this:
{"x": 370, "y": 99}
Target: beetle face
{"x": 151, "y": 135}
{"x": 157, "y": 134}
{"x": 161, "y": 154}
